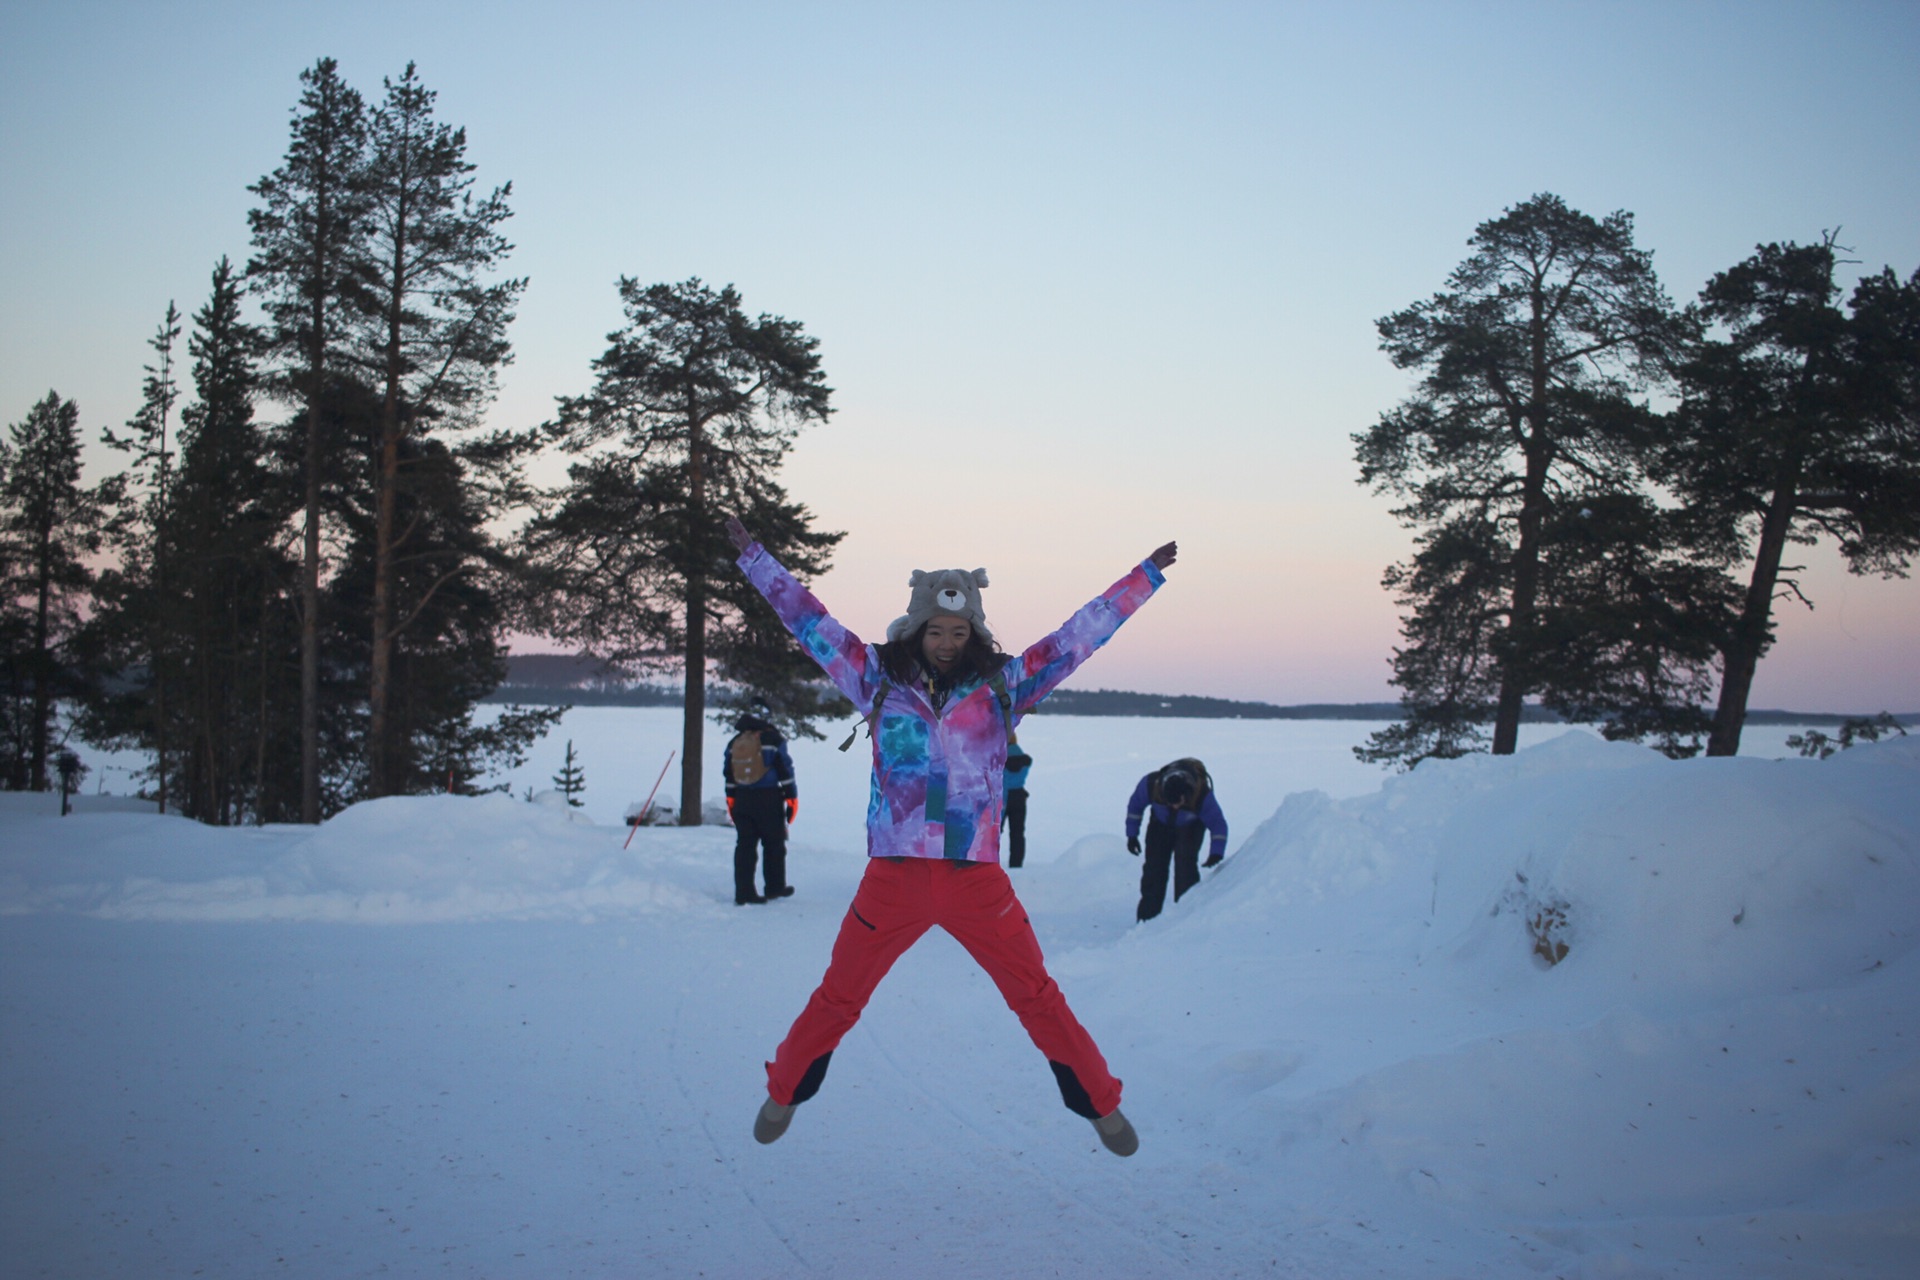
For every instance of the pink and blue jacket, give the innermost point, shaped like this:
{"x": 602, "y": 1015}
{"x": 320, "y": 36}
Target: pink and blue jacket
{"x": 939, "y": 776}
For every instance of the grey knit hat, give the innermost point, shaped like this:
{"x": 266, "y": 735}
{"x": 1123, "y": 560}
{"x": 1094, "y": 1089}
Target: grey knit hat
{"x": 943, "y": 593}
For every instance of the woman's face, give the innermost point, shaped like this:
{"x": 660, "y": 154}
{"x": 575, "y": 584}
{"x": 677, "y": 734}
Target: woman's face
{"x": 944, "y": 640}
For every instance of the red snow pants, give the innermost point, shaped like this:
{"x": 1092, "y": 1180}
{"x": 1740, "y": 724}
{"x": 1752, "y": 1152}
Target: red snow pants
{"x": 900, "y": 899}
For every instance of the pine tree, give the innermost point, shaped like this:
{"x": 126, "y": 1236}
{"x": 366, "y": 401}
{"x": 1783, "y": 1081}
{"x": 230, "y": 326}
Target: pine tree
{"x": 1530, "y": 364}
{"x": 430, "y": 336}
{"x": 309, "y": 237}
{"x": 1633, "y": 615}
{"x": 447, "y": 652}
{"x": 232, "y": 576}
{"x": 49, "y": 526}
{"x": 139, "y": 585}
{"x": 216, "y": 634}
{"x": 693, "y": 410}
{"x": 1799, "y": 420}
{"x": 571, "y": 781}
{"x": 340, "y": 692}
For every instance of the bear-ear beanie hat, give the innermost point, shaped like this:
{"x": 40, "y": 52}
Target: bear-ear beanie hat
{"x": 943, "y": 593}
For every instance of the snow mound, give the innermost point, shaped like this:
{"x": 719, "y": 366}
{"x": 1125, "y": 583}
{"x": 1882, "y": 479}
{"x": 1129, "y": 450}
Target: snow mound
{"x": 402, "y": 860}
{"x": 1572, "y": 984}
{"x": 1604, "y": 862}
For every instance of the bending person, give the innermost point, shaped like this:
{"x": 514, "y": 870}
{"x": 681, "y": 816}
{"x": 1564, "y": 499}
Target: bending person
{"x": 941, "y": 703}
{"x": 1180, "y": 807}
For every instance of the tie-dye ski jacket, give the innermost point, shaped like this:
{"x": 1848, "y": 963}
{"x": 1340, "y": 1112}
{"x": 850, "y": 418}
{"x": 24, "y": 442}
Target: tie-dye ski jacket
{"x": 938, "y": 777}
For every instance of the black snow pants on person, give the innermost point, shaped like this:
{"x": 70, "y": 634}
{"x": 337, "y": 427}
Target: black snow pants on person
{"x": 759, "y": 818}
{"x": 1014, "y": 817}
{"x": 1164, "y": 845}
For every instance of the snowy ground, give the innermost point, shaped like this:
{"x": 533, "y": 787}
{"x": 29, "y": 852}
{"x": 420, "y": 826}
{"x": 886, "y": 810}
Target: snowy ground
{"x": 471, "y": 1037}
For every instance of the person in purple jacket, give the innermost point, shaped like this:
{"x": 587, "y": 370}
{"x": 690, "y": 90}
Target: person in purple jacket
{"x": 941, "y": 703}
{"x": 1179, "y": 801}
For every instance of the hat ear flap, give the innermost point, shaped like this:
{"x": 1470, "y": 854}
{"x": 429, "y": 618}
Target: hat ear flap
{"x": 979, "y": 577}
{"x": 919, "y": 576}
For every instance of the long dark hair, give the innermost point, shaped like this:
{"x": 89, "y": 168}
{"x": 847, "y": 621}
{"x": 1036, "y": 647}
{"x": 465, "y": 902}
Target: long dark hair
{"x": 901, "y": 659}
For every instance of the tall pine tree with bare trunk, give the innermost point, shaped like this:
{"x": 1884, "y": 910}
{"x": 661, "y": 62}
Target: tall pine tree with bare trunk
{"x": 694, "y": 407}
{"x": 309, "y": 236}
{"x": 1800, "y": 421}
{"x": 431, "y": 336}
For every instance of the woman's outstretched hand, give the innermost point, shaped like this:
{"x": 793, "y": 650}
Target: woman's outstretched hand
{"x": 738, "y": 532}
{"x": 1165, "y": 555}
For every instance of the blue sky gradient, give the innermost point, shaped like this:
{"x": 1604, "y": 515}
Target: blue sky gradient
{"x": 1085, "y": 276}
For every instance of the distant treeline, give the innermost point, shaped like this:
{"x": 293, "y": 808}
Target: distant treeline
{"x": 578, "y": 680}
{"x": 1115, "y": 702}
{"x": 555, "y": 679}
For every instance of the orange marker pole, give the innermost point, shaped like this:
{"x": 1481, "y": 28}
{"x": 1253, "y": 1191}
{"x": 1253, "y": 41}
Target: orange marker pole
{"x": 633, "y": 823}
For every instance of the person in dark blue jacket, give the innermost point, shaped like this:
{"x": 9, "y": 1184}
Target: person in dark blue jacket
{"x": 1179, "y": 801}
{"x": 762, "y": 799}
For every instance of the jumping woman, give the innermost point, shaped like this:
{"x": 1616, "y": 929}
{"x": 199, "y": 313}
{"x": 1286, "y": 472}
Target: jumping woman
{"x": 941, "y": 703}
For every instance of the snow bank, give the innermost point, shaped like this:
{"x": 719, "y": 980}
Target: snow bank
{"x": 1691, "y": 881}
{"x": 1679, "y": 882}
{"x": 1730, "y": 1027}
{"x": 406, "y": 860}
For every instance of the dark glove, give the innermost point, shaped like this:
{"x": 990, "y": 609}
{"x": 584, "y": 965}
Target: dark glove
{"x": 1212, "y": 859}
{"x": 1133, "y": 845}
{"x": 793, "y": 809}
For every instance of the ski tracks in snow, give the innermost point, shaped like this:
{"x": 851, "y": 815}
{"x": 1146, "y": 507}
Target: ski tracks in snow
{"x": 731, "y": 1165}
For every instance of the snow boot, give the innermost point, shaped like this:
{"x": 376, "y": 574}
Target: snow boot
{"x": 772, "y": 1122}
{"x": 784, "y": 891}
{"x": 1116, "y": 1134}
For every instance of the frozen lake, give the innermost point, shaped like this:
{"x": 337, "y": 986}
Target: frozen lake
{"x": 1085, "y": 767}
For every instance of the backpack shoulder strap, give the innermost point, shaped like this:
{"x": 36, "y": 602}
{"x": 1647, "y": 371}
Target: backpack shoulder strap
{"x": 998, "y": 682}
{"x": 872, "y": 717}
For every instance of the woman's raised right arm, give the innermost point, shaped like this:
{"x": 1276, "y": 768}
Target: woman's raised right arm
{"x": 1052, "y": 659}
{"x": 840, "y": 653}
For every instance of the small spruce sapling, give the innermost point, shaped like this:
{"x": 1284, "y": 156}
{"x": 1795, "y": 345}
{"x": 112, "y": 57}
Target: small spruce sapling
{"x": 571, "y": 781}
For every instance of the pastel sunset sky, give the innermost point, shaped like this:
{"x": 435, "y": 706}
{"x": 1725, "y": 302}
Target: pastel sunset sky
{"x": 1085, "y": 277}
